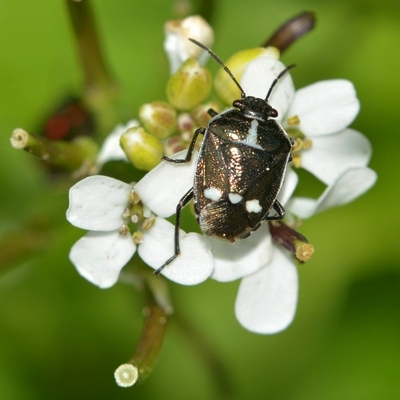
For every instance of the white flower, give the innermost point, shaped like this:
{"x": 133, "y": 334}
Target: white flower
{"x": 99, "y": 203}
{"x": 231, "y": 261}
{"x": 267, "y": 297}
{"x": 266, "y": 301}
{"x": 177, "y": 44}
{"x": 321, "y": 112}
{"x": 347, "y": 187}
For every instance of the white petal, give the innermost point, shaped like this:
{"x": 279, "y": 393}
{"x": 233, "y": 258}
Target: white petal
{"x": 257, "y": 79}
{"x": 100, "y": 256}
{"x": 233, "y": 261}
{"x": 290, "y": 183}
{"x": 266, "y": 302}
{"x": 177, "y": 44}
{"x": 331, "y": 155}
{"x": 172, "y": 48}
{"x": 325, "y": 107}
{"x": 111, "y": 149}
{"x": 97, "y": 203}
{"x": 195, "y": 263}
{"x": 163, "y": 187}
{"x": 350, "y": 185}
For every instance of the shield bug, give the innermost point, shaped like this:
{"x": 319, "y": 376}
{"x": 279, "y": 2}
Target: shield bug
{"x": 240, "y": 168}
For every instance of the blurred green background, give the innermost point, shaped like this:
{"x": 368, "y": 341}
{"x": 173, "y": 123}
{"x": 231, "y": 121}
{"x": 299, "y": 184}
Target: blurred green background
{"x": 62, "y": 338}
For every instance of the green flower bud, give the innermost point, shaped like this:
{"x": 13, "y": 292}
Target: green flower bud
{"x": 143, "y": 150}
{"x": 201, "y": 115}
{"x": 189, "y": 86}
{"x": 224, "y": 86}
{"x": 158, "y": 118}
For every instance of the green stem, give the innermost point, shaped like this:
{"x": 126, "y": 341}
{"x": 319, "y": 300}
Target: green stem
{"x": 150, "y": 342}
{"x": 157, "y": 312}
{"x": 69, "y": 155}
{"x": 100, "y": 92}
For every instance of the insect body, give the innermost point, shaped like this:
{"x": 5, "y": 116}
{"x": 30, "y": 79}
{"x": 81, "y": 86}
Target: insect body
{"x": 240, "y": 168}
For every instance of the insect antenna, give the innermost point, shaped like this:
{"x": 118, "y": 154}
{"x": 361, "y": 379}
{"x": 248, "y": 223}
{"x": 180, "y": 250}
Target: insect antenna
{"x": 277, "y": 79}
{"x": 215, "y": 57}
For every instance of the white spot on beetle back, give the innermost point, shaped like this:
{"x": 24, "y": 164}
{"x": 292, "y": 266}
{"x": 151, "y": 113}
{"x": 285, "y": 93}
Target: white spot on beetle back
{"x": 212, "y": 193}
{"x": 235, "y": 198}
{"x": 252, "y": 132}
{"x": 253, "y": 206}
{"x": 251, "y": 139}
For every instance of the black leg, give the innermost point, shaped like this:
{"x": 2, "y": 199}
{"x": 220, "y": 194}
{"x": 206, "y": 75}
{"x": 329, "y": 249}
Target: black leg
{"x": 182, "y": 203}
{"x": 212, "y": 113}
{"x": 280, "y": 212}
{"x": 190, "y": 149}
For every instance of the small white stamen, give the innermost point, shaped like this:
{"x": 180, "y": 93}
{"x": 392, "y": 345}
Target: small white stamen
{"x": 133, "y": 197}
{"x": 293, "y": 120}
{"x": 124, "y": 230}
{"x": 148, "y": 223}
{"x": 235, "y": 198}
{"x": 253, "y": 206}
{"x": 137, "y": 237}
{"x": 146, "y": 212}
{"x": 212, "y": 193}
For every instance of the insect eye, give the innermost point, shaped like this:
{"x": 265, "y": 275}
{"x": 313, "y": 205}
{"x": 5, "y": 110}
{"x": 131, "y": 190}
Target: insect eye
{"x": 273, "y": 113}
{"x": 237, "y": 104}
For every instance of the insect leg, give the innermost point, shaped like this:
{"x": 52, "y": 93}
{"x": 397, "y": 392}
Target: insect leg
{"x": 280, "y": 212}
{"x": 190, "y": 149}
{"x": 211, "y": 112}
{"x": 182, "y": 203}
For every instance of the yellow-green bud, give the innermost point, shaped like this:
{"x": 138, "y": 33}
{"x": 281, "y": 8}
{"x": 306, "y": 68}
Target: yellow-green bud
{"x": 158, "y": 118}
{"x": 143, "y": 150}
{"x": 224, "y": 86}
{"x": 201, "y": 115}
{"x": 189, "y": 86}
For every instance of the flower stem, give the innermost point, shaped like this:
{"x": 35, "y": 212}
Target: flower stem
{"x": 291, "y": 31}
{"x": 149, "y": 346}
{"x": 100, "y": 91}
{"x": 142, "y": 363}
{"x": 69, "y": 155}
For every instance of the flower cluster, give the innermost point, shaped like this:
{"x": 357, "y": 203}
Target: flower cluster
{"x": 317, "y": 118}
